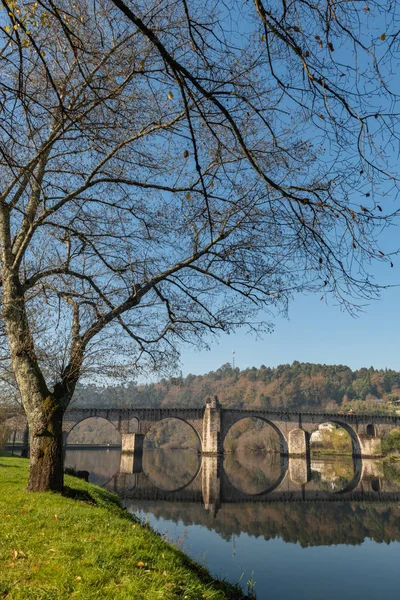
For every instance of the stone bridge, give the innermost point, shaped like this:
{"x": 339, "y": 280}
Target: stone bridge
{"x": 212, "y": 424}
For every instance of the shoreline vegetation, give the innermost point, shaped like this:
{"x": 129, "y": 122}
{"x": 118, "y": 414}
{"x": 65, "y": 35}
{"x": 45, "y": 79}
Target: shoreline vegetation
{"x": 84, "y": 545}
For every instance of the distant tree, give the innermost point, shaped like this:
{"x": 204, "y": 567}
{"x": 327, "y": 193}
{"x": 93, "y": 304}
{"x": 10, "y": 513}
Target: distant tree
{"x": 170, "y": 168}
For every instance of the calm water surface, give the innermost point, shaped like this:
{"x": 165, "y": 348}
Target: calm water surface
{"x": 251, "y": 518}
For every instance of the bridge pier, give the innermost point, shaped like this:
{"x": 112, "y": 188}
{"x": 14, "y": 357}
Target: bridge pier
{"x": 211, "y": 483}
{"x": 298, "y": 443}
{"x": 132, "y": 453}
{"x": 212, "y": 444}
{"x": 299, "y": 469}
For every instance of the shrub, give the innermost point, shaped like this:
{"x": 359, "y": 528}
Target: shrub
{"x": 391, "y": 443}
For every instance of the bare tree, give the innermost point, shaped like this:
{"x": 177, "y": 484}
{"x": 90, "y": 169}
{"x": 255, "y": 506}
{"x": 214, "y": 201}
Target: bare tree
{"x": 170, "y": 168}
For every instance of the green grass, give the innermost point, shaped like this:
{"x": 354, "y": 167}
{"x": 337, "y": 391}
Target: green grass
{"x": 85, "y": 546}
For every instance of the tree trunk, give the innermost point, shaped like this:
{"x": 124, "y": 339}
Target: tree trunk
{"x": 46, "y": 450}
{"x": 44, "y": 409}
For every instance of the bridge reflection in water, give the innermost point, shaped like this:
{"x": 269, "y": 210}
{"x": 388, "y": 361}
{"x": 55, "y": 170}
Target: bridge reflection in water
{"x": 217, "y": 481}
{"x": 343, "y": 501}
{"x": 252, "y": 513}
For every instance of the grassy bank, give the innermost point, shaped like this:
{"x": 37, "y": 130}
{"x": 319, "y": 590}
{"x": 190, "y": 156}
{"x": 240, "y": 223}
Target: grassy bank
{"x": 85, "y": 546}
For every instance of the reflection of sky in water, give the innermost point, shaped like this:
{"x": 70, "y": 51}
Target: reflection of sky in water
{"x": 102, "y": 464}
{"x": 288, "y": 571}
{"x": 337, "y": 556}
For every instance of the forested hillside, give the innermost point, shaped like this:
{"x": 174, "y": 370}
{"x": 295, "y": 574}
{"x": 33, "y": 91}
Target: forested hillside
{"x": 329, "y": 387}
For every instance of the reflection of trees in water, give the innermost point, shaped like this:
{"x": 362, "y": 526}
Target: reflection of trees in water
{"x": 252, "y": 472}
{"x": 392, "y": 472}
{"x": 102, "y": 464}
{"x": 170, "y": 470}
{"x": 332, "y": 474}
{"x": 308, "y": 524}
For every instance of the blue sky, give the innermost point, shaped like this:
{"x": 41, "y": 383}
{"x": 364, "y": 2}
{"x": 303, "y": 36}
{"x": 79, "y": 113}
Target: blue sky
{"x": 317, "y": 332}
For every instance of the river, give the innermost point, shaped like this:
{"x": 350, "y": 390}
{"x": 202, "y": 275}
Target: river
{"x": 321, "y": 543}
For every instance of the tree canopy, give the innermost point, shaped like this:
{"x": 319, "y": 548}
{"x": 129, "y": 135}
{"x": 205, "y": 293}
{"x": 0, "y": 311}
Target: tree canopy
{"x": 169, "y": 169}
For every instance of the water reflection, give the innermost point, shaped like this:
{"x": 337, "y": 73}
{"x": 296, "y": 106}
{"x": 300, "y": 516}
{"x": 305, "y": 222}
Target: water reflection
{"x": 101, "y": 463}
{"x": 335, "y": 512}
{"x": 167, "y": 471}
{"x": 333, "y": 473}
{"x": 253, "y": 473}
{"x": 239, "y": 477}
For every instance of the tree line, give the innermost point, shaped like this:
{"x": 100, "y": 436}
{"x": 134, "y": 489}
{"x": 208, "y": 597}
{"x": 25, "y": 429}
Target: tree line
{"x": 296, "y": 385}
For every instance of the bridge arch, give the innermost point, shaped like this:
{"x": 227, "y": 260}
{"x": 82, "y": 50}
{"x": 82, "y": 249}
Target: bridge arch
{"x": 228, "y": 424}
{"x": 69, "y": 427}
{"x": 155, "y": 424}
{"x": 356, "y": 443}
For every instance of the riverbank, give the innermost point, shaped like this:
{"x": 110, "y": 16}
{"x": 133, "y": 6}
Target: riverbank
{"x": 84, "y": 546}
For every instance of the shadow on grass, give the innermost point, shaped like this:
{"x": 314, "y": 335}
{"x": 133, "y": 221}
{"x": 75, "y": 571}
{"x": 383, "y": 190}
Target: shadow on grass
{"x": 99, "y": 497}
{"x": 82, "y": 495}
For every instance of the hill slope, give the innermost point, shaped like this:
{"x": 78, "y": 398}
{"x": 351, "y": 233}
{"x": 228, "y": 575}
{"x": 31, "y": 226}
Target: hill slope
{"x": 286, "y": 386}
